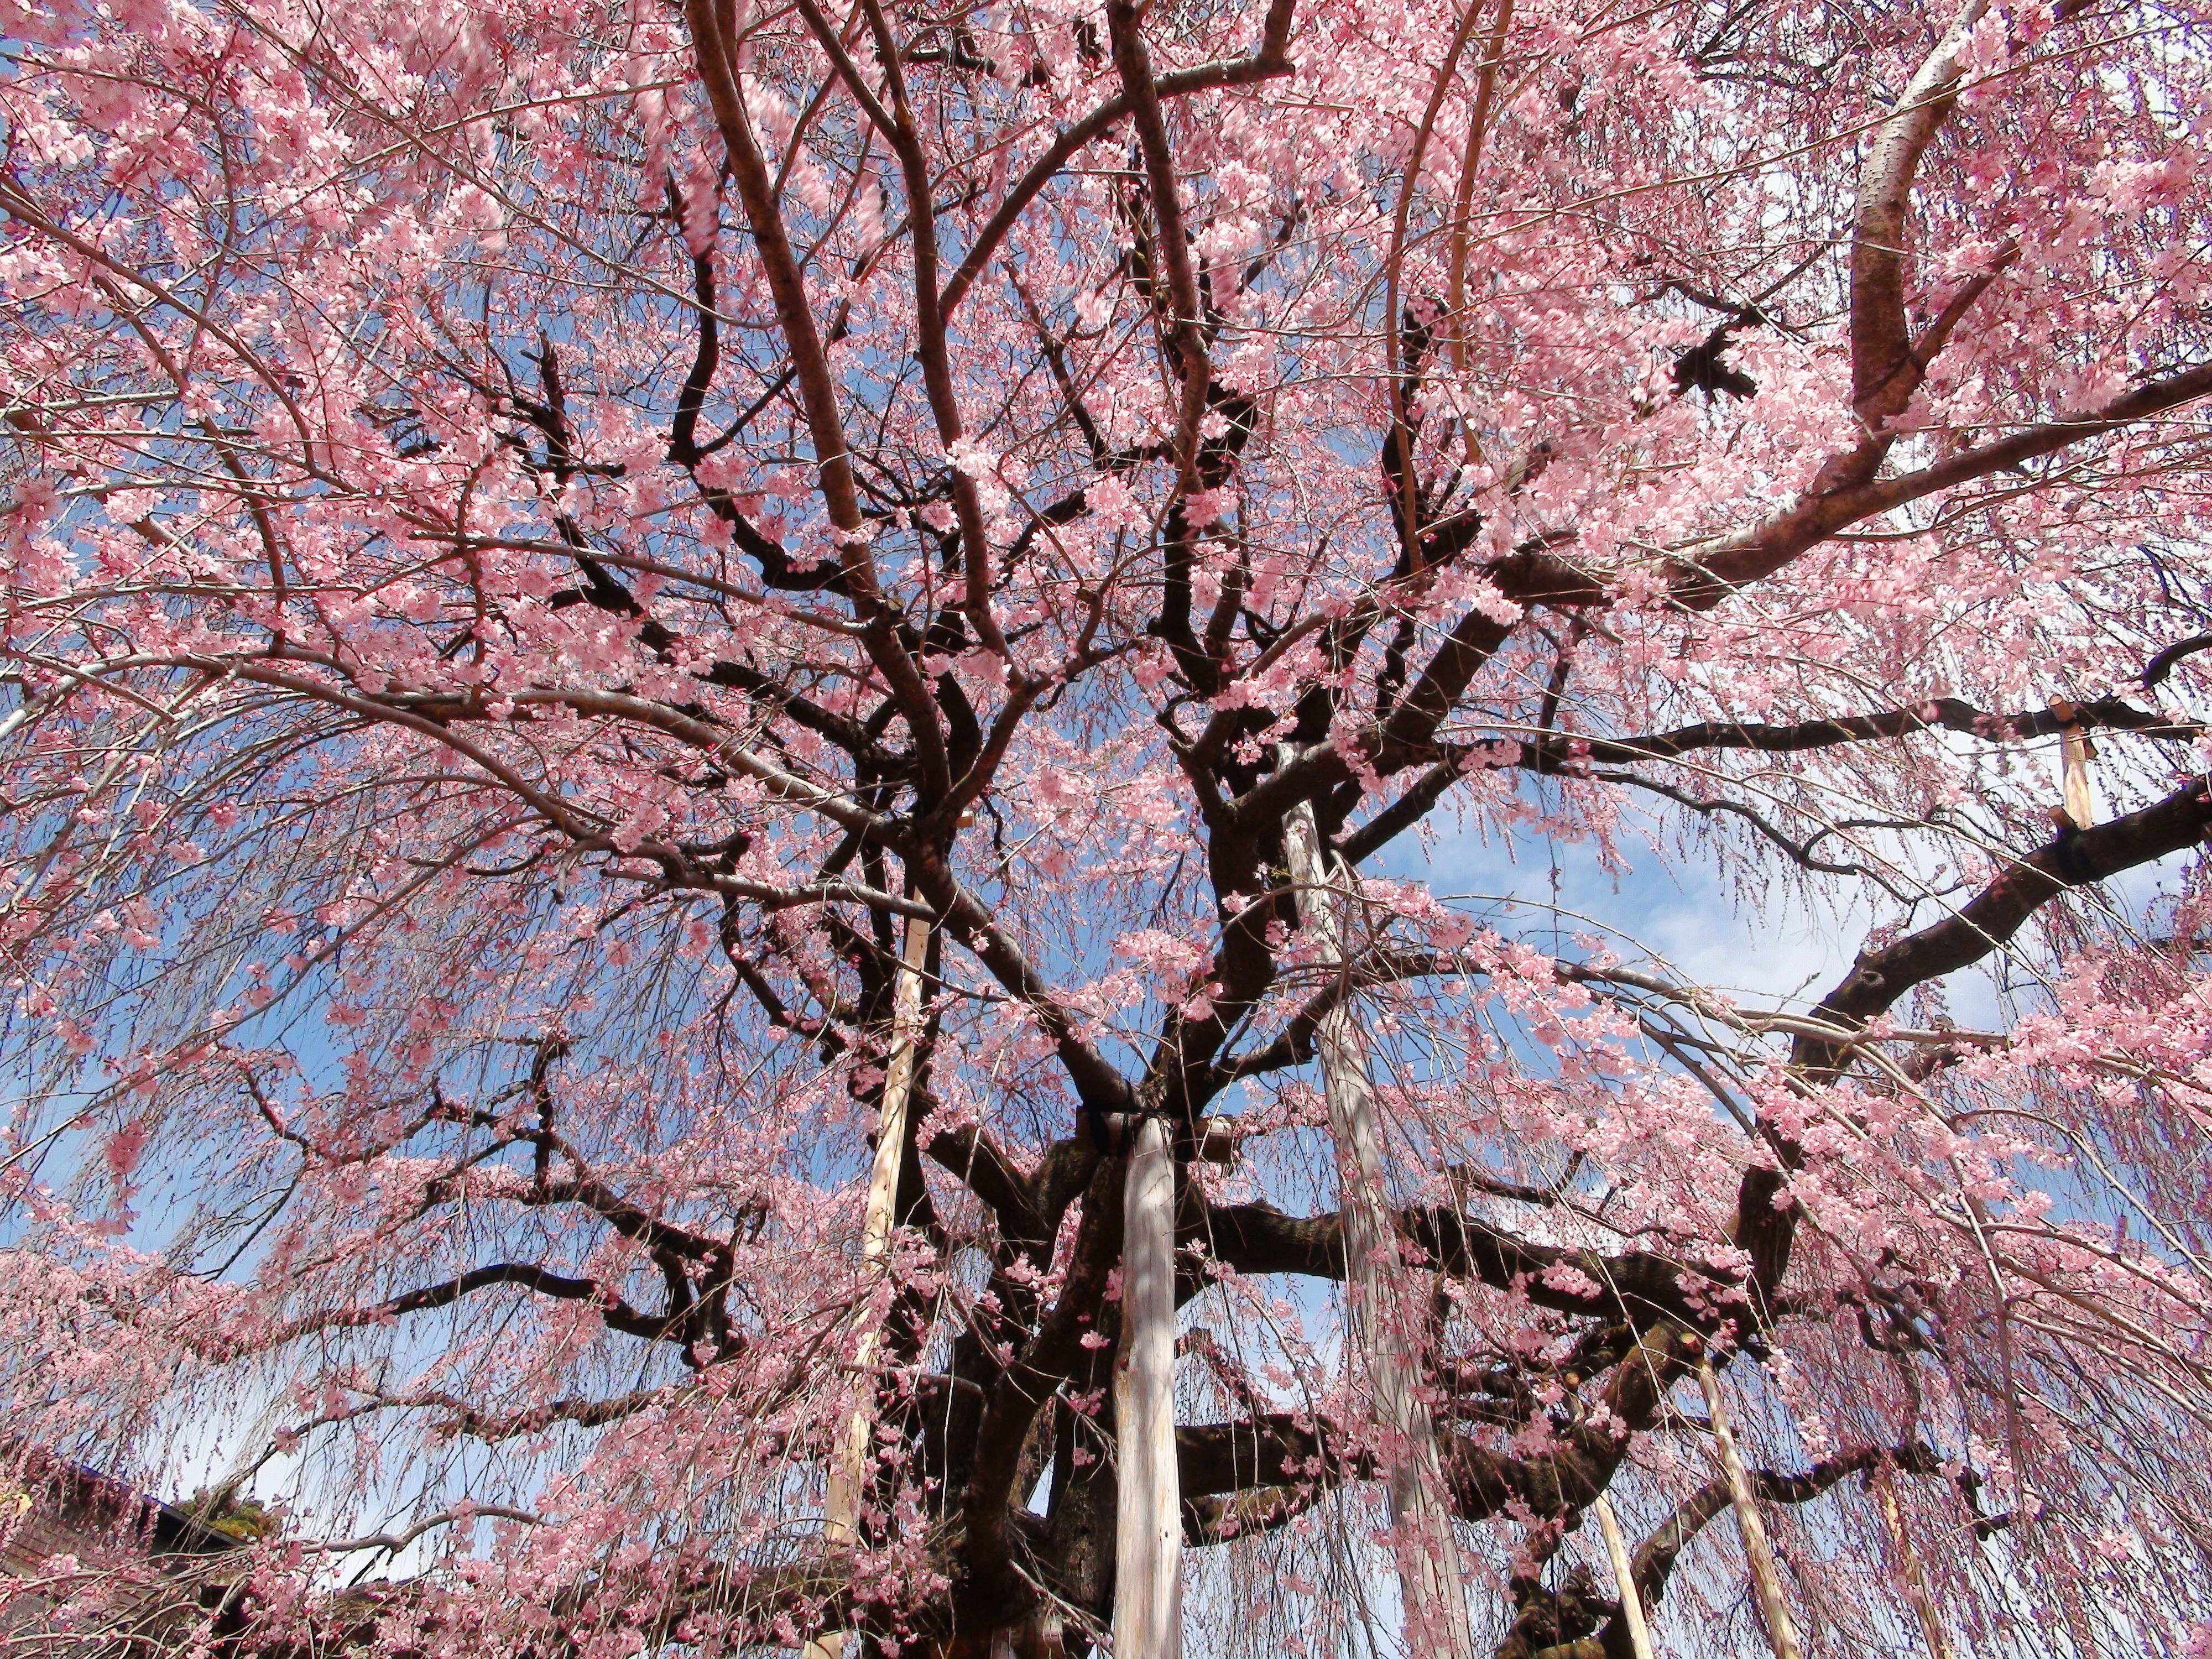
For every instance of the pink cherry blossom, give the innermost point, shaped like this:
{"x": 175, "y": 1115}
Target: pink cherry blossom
{"x": 535, "y": 539}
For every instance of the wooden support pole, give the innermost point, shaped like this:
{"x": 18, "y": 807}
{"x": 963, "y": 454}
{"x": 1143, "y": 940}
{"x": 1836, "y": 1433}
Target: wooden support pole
{"x": 2076, "y": 750}
{"x": 848, "y": 1469}
{"x": 1148, "y": 1522}
{"x": 2080, "y": 801}
{"x": 1383, "y": 1333}
{"x": 1915, "y": 1583}
{"x": 1624, "y": 1579}
{"x": 1765, "y": 1580}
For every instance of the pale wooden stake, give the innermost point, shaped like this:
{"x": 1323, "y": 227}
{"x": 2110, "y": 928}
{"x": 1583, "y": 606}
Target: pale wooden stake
{"x": 2076, "y": 752}
{"x": 1428, "y": 1555}
{"x": 1624, "y": 1578}
{"x": 2081, "y": 804}
{"x": 1765, "y": 1579}
{"x": 1148, "y": 1522}
{"x": 848, "y": 1471}
{"x": 1916, "y": 1585}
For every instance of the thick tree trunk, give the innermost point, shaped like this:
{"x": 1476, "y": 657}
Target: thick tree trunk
{"x": 1148, "y": 1531}
{"x": 849, "y": 1473}
{"x": 1381, "y": 1324}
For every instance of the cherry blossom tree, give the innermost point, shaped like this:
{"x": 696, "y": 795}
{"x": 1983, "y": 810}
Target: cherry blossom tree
{"x": 549, "y": 549}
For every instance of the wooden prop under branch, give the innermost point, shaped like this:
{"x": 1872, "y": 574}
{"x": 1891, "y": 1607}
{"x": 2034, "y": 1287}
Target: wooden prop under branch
{"x": 1624, "y": 1579}
{"x": 1148, "y": 1521}
{"x": 848, "y": 1472}
{"x": 1916, "y": 1582}
{"x": 2078, "y": 808}
{"x": 1375, "y": 1297}
{"x": 1765, "y": 1578}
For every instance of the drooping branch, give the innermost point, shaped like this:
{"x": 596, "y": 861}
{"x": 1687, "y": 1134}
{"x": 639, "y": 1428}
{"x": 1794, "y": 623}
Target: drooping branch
{"x": 458, "y": 1416}
{"x": 618, "y": 1313}
{"x": 1707, "y": 572}
{"x": 1655, "y": 1557}
{"x": 1258, "y": 1238}
{"x": 1561, "y": 754}
{"x": 1881, "y": 978}
{"x": 1589, "y": 1625}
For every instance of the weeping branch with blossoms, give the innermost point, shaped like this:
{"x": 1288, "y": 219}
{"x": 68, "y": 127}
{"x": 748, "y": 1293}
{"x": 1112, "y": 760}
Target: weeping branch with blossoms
{"x": 538, "y": 538}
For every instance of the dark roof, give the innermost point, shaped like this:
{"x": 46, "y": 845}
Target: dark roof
{"x": 100, "y": 1502}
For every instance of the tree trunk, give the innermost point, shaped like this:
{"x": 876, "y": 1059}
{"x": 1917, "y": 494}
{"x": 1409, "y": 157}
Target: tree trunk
{"x": 1420, "y": 1513}
{"x": 1148, "y": 1531}
{"x": 849, "y": 1473}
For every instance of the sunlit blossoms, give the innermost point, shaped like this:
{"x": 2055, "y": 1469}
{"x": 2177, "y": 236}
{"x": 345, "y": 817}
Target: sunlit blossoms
{"x": 1071, "y": 824}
